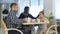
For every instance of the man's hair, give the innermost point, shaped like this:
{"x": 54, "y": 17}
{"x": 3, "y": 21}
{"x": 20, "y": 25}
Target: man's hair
{"x": 12, "y": 5}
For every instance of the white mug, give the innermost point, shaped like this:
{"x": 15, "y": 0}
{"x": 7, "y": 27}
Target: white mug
{"x": 38, "y": 20}
{"x": 29, "y": 20}
{"x": 33, "y": 20}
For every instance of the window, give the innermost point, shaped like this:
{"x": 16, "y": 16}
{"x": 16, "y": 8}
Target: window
{"x": 35, "y": 6}
{"x": 57, "y": 9}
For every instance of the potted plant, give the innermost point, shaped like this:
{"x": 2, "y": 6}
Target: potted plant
{"x": 51, "y": 20}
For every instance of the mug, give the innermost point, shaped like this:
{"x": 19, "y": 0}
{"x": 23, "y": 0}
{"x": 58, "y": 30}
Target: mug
{"x": 29, "y": 20}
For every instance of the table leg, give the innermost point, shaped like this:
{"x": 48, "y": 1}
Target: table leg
{"x": 34, "y": 30}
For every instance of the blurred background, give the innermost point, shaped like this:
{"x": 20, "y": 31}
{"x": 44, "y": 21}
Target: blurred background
{"x": 50, "y": 7}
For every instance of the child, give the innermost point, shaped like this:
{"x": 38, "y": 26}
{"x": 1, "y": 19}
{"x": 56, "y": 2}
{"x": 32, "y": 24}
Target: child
{"x": 42, "y": 27}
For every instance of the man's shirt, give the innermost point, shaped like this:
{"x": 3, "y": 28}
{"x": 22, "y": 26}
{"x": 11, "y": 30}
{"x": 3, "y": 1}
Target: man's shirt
{"x": 12, "y": 20}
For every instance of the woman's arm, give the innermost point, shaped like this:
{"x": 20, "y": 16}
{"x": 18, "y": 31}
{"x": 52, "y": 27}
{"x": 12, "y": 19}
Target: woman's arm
{"x": 31, "y": 16}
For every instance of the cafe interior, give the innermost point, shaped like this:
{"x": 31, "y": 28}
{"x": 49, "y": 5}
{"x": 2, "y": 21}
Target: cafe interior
{"x": 43, "y": 16}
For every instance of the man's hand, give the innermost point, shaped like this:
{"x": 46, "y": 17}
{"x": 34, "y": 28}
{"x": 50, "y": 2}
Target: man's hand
{"x": 25, "y": 19}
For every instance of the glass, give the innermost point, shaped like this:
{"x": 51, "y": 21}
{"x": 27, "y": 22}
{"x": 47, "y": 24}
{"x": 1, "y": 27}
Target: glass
{"x": 29, "y": 20}
{"x": 38, "y": 20}
{"x": 33, "y": 20}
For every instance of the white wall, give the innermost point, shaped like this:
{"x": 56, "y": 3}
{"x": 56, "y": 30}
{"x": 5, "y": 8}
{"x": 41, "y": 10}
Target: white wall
{"x": 34, "y": 7}
{"x": 57, "y": 9}
{"x": 22, "y": 4}
{"x": 48, "y": 7}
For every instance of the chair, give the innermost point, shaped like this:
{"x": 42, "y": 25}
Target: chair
{"x": 53, "y": 28}
{"x": 5, "y": 29}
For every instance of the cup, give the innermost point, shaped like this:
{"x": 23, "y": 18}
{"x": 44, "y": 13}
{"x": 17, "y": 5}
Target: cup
{"x": 38, "y": 20}
{"x": 29, "y": 20}
{"x": 33, "y": 20}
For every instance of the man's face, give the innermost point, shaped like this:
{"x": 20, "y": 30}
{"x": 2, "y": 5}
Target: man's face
{"x": 15, "y": 7}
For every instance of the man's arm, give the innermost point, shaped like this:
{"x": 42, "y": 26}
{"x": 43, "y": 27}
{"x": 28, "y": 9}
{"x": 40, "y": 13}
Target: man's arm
{"x": 16, "y": 21}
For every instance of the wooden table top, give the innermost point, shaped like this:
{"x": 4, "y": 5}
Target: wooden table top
{"x": 34, "y": 23}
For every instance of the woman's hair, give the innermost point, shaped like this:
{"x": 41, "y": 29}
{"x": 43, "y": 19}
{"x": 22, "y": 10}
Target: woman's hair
{"x": 26, "y": 10}
{"x": 41, "y": 12}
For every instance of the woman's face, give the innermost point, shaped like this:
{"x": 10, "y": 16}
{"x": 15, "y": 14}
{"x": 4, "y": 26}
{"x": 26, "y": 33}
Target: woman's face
{"x": 41, "y": 15}
{"x": 28, "y": 10}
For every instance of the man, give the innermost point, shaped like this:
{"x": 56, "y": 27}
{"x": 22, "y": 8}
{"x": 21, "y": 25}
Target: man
{"x": 12, "y": 21}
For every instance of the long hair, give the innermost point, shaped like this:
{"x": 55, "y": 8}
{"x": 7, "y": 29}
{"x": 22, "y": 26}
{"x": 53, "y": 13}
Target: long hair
{"x": 26, "y": 10}
{"x": 39, "y": 13}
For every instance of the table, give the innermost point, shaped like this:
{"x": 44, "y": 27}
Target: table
{"x": 34, "y": 23}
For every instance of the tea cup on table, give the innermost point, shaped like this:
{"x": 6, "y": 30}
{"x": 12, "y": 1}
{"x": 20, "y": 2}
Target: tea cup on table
{"x": 29, "y": 20}
{"x": 38, "y": 20}
{"x": 33, "y": 20}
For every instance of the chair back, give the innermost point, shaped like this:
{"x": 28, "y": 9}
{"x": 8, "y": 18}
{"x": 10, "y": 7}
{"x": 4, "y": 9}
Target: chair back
{"x": 5, "y": 29}
{"x": 53, "y": 25}
{"x": 3, "y": 25}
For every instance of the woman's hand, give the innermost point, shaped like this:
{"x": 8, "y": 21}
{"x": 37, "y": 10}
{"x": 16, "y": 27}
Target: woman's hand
{"x": 25, "y": 19}
{"x": 41, "y": 20}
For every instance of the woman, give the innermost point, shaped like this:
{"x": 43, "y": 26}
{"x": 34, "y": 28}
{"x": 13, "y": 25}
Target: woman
{"x": 26, "y": 14}
{"x": 42, "y": 18}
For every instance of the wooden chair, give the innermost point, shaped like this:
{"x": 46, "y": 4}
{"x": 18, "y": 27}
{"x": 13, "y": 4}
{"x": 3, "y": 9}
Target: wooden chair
{"x": 53, "y": 26}
{"x": 5, "y": 29}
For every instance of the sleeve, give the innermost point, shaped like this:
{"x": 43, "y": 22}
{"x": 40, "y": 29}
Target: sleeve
{"x": 14, "y": 19}
{"x": 20, "y": 16}
{"x": 37, "y": 16}
{"x": 46, "y": 20}
{"x": 31, "y": 16}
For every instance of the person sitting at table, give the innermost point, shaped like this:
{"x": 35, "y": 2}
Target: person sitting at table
{"x": 42, "y": 18}
{"x": 26, "y": 15}
{"x": 12, "y": 20}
